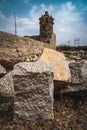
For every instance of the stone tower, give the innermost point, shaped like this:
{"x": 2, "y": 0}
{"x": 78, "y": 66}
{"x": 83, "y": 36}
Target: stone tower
{"x": 46, "y": 27}
{"x": 46, "y": 33}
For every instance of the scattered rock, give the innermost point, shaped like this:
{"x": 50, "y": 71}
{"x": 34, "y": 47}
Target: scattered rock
{"x": 33, "y": 84}
{"x": 78, "y": 76}
{"x": 32, "y": 59}
{"x": 6, "y": 85}
{"x": 83, "y": 65}
{"x": 58, "y": 63}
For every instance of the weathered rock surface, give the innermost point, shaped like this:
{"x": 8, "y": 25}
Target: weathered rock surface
{"x": 2, "y": 71}
{"x": 83, "y": 65}
{"x": 53, "y": 41}
{"x": 33, "y": 84}
{"x": 78, "y": 76}
{"x": 14, "y": 49}
{"x": 58, "y": 63}
{"x": 6, "y": 85}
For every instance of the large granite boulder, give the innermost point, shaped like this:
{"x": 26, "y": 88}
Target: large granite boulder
{"x": 6, "y": 85}
{"x": 58, "y": 63}
{"x": 78, "y": 76}
{"x": 83, "y": 65}
{"x": 60, "y": 66}
{"x": 33, "y": 86}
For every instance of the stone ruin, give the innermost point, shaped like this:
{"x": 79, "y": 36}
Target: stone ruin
{"x": 14, "y": 49}
{"x": 31, "y": 84}
{"x": 46, "y": 33}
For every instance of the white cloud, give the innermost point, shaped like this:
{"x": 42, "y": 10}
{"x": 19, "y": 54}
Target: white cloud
{"x": 68, "y": 6}
{"x": 68, "y": 23}
{"x": 50, "y": 8}
{"x": 26, "y": 1}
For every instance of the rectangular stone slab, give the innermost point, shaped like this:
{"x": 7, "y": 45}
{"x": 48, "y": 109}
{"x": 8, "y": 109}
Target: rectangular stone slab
{"x": 33, "y": 96}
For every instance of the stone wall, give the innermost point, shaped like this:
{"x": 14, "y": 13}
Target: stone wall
{"x": 53, "y": 41}
{"x": 15, "y": 48}
{"x": 51, "y": 38}
{"x": 12, "y": 46}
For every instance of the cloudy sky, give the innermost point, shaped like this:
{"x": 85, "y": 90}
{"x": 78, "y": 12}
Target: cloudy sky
{"x": 70, "y": 18}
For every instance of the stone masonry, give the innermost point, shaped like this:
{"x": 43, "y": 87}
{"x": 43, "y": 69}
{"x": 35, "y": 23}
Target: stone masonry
{"x": 33, "y": 92}
{"x": 46, "y": 33}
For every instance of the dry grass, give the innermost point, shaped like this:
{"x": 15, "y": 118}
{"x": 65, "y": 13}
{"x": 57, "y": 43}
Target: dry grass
{"x": 70, "y": 113}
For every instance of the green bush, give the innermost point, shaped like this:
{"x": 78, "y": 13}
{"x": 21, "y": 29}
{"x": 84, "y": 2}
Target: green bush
{"x": 71, "y": 48}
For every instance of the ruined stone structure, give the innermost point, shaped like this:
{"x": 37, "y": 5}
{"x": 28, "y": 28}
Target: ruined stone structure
{"x": 46, "y": 34}
{"x": 46, "y": 27}
{"x": 15, "y": 48}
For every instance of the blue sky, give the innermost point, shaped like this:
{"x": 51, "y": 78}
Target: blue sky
{"x": 70, "y": 18}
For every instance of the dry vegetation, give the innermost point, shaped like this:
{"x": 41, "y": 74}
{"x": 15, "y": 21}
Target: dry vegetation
{"x": 70, "y": 113}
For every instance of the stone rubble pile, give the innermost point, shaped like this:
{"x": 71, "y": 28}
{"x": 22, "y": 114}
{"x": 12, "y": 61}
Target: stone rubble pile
{"x": 32, "y": 84}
